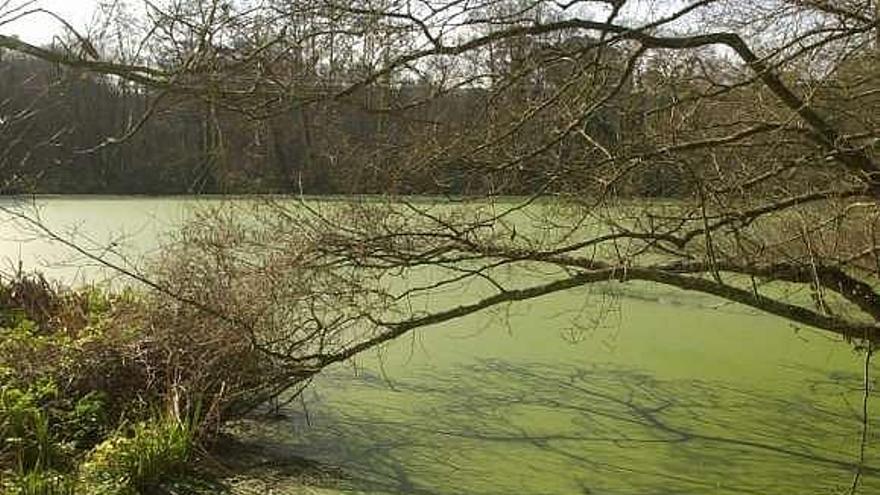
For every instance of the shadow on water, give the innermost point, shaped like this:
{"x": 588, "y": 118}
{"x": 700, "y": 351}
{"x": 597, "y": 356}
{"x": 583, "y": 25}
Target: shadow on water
{"x": 494, "y": 427}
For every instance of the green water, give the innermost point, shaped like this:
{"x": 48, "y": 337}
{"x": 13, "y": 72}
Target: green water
{"x": 652, "y": 392}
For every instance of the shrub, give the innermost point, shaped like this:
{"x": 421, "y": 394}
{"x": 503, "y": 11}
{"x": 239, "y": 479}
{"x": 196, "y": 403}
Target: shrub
{"x": 31, "y": 297}
{"x": 83, "y": 372}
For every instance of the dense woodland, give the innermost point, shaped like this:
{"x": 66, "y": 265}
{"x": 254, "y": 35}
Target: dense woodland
{"x": 68, "y": 131}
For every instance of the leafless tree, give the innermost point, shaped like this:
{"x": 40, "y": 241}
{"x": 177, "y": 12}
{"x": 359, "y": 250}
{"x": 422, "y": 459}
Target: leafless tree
{"x": 722, "y": 147}
{"x": 753, "y": 121}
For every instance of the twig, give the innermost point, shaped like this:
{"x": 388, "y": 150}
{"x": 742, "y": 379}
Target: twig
{"x": 857, "y": 478}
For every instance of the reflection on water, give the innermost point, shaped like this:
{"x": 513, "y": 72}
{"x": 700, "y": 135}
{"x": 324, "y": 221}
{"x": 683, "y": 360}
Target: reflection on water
{"x": 494, "y": 427}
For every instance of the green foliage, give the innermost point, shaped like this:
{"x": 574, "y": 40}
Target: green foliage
{"x": 39, "y": 443}
{"x": 26, "y": 427}
{"x": 41, "y": 482}
{"x": 87, "y": 423}
{"x": 48, "y": 337}
{"x": 151, "y": 453}
{"x": 86, "y": 379}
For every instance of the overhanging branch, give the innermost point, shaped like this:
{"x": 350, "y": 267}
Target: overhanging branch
{"x": 791, "y": 312}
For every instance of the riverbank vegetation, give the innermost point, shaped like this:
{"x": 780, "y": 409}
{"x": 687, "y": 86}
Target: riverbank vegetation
{"x": 108, "y": 393}
{"x": 80, "y": 408}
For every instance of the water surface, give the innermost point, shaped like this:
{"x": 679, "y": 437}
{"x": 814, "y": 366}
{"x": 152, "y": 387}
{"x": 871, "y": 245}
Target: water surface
{"x": 617, "y": 390}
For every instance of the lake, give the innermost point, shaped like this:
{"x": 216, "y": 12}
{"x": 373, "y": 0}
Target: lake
{"x": 669, "y": 392}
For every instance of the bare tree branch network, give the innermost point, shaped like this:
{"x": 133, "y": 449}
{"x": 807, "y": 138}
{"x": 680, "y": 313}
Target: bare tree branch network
{"x": 505, "y": 150}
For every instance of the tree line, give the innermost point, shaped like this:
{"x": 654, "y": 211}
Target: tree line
{"x": 66, "y": 130}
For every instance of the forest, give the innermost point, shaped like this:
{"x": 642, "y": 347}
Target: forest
{"x": 71, "y": 131}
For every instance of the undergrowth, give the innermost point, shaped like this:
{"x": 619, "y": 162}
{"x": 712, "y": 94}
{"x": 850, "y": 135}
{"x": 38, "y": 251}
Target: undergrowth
{"x": 114, "y": 393}
{"x": 86, "y": 406}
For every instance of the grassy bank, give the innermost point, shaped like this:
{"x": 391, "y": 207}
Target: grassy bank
{"x": 109, "y": 393}
{"x": 80, "y": 408}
